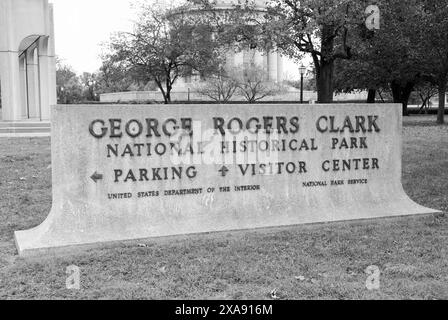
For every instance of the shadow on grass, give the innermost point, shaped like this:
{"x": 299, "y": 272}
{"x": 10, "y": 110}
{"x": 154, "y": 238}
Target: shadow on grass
{"x": 423, "y": 121}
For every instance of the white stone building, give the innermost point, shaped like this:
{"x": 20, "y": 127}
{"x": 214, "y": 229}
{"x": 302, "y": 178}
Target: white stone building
{"x": 270, "y": 60}
{"x": 27, "y": 59}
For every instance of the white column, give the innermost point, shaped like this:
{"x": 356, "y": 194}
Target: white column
{"x": 44, "y": 85}
{"x": 33, "y": 84}
{"x": 23, "y": 87}
{"x": 9, "y": 65}
{"x": 10, "y": 82}
{"x": 247, "y": 57}
{"x": 266, "y": 63}
{"x": 272, "y": 66}
{"x": 52, "y": 67}
{"x": 47, "y": 79}
{"x": 230, "y": 60}
{"x": 47, "y": 68}
{"x": 239, "y": 58}
{"x": 279, "y": 67}
{"x": 258, "y": 59}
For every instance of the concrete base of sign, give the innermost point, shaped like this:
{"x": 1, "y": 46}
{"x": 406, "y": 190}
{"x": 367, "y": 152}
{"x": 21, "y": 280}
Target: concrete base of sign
{"x": 94, "y": 203}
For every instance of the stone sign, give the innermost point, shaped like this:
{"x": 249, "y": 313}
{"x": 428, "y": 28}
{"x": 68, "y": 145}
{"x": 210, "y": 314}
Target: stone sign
{"x": 134, "y": 172}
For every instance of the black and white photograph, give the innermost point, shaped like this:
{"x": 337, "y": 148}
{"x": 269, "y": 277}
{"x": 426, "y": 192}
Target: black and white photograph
{"x": 228, "y": 157}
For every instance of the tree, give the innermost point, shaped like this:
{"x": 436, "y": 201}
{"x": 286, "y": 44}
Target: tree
{"x": 434, "y": 37}
{"x": 89, "y": 83}
{"x": 220, "y": 87}
{"x": 69, "y": 88}
{"x": 167, "y": 43}
{"x": 391, "y": 58}
{"x": 309, "y": 83}
{"x": 253, "y": 85}
{"x": 408, "y": 52}
{"x": 113, "y": 77}
{"x": 426, "y": 91}
{"x": 320, "y": 28}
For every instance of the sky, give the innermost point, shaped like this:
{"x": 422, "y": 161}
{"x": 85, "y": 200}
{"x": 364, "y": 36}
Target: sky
{"x": 82, "y": 25}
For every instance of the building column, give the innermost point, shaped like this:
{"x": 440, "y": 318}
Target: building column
{"x": 272, "y": 66}
{"x": 247, "y": 58}
{"x": 239, "y": 60}
{"x": 52, "y": 56}
{"x": 23, "y": 87}
{"x": 33, "y": 84}
{"x": 47, "y": 79}
{"x": 44, "y": 82}
{"x": 279, "y": 67}
{"x": 47, "y": 67}
{"x": 10, "y": 82}
{"x": 258, "y": 59}
{"x": 266, "y": 64}
{"x": 230, "y": 61}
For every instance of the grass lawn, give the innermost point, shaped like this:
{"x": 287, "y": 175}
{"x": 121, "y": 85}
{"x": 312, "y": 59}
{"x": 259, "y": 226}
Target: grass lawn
{"x": 301, "y": 262}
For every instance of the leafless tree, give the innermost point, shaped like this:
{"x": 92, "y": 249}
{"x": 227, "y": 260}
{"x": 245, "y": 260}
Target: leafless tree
{"x": 254, "y": 85}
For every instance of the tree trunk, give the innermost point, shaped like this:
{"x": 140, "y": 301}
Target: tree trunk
{"x": 168, "y": 91}
{"x": 405, "y": 100}
{"x": 402, "y": 94}
{"x": 168, "y": 96}
{"x": 325, "y": 85}
{"x": 442, "y": 97}
{"x": 162, "y": 90}
{"x": 396, "y": 93}
{"x": 371, "y": 96}
{"x": 325, "y": 68}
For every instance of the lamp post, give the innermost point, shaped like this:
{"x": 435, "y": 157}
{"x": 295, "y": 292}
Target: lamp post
{"x": 91, "y": 84}
{"x": 61, "y": 95}
{"x": 302, "y": 70}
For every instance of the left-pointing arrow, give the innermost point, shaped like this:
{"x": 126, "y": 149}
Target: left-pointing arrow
{"x": 96, "y": 176}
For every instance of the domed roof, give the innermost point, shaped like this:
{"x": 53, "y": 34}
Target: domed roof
{"x": 194, "y": 5}
{"x": 231, "y": 3}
